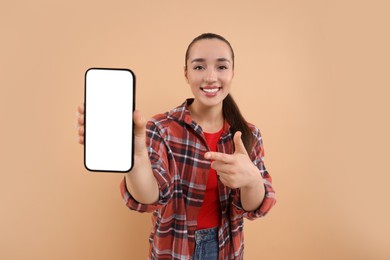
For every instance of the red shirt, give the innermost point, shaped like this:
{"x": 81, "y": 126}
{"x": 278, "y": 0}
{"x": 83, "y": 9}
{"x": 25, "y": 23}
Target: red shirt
{"x": 210, "y": 212}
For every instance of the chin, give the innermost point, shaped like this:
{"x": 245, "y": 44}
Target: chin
{"x": 211, "y": 103}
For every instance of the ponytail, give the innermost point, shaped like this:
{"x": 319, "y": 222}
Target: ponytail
{"x": 237, "y": 122}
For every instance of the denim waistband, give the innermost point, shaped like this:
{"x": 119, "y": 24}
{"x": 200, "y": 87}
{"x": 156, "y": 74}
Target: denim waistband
{"x": 204, "y": 235}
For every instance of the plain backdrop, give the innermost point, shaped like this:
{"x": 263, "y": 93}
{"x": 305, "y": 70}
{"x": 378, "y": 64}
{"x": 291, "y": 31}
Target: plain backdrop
{"x": 312, "y": 75}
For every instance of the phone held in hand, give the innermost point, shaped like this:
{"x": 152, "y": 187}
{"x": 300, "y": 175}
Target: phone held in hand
{"x": 109, "y": 102}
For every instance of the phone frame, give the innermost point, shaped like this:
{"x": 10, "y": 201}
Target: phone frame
{"x": 86, "y": 114}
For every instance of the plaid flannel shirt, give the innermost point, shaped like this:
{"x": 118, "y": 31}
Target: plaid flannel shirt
{"x": 176, "y": 147}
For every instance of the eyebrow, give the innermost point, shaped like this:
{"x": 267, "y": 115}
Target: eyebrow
{"x": 203, "y": 60}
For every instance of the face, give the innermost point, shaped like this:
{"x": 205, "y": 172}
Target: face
{"x": 209, "y": 72}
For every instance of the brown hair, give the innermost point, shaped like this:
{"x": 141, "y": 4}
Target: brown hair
{"x": 230, "y": 110}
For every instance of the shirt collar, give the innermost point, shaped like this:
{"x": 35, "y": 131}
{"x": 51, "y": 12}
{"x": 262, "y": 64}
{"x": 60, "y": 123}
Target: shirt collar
{"x": 182, "y": 113}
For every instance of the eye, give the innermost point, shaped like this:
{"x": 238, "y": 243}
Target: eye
{"x": 198, "y": 67}
{"x": 222, "y": 67}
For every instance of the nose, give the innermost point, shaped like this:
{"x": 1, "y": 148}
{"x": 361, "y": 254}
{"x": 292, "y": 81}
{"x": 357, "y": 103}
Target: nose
{"x": 210, "y": 75}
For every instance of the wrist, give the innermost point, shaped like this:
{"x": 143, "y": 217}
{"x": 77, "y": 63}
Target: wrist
{"x": 255, "y": 179}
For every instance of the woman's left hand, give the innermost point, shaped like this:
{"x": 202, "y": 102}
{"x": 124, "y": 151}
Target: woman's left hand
{"x": 235, "y": 170}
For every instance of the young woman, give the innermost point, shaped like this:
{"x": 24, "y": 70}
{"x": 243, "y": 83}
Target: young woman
{"x": 201, "y": 171}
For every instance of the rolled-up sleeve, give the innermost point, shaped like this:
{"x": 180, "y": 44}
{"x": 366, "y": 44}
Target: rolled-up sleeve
{"x": 269, "y": 200}
{"x": 158, "y": 156}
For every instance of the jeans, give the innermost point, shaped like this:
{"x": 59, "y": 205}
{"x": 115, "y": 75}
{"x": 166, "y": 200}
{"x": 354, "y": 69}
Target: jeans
{"x": 206, "y": 244}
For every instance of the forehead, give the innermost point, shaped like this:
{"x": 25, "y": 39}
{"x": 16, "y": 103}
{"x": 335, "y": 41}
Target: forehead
{"x": 210, "y": 49}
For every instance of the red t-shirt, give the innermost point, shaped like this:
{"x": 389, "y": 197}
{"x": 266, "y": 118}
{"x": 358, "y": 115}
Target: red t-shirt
{"x": 210, "y": 212}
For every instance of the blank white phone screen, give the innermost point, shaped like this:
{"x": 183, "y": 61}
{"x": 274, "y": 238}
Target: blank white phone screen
{"x": 109, "y": 106}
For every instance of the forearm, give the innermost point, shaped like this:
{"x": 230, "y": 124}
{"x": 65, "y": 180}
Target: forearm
{"x": 141, "y": 183}
{"x": 252, "y": 196}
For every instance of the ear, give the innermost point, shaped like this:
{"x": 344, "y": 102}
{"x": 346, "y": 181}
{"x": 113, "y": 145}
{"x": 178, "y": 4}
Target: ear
{"x": 185, "y": 73}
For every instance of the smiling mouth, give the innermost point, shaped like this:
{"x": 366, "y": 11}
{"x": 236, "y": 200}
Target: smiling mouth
{"x": 210, "y": 90}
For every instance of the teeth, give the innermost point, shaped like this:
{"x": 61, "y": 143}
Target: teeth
{"x": 210, "y": 90}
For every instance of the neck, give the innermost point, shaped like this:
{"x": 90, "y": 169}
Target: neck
{"x": 209, "y": 118}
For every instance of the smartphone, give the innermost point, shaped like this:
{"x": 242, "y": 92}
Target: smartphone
{"x": 109, "y": 102}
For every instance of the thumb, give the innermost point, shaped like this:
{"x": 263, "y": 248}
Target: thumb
{"x": 139, "y": 134}
{"x": 139, "y": 124}
{"x": 238, "y": 144}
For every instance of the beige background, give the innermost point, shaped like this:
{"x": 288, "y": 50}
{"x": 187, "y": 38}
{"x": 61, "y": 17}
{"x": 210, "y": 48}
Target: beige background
{"x": 313, "y": 75}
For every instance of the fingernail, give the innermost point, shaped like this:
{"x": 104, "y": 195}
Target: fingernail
{"x": 207, "y": 155}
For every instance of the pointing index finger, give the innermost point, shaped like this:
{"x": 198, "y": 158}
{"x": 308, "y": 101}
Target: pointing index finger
{"x": 215, "y": 156}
